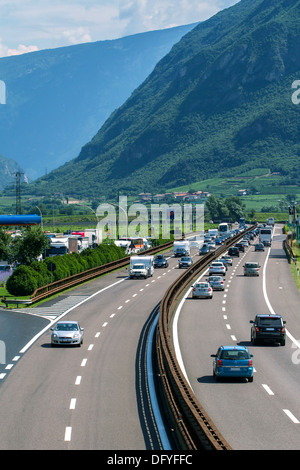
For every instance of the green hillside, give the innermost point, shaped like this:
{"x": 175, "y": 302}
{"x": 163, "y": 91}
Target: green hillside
{"x": 218, "y": 105}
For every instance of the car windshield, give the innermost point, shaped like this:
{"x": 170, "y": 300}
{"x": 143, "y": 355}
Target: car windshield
{"x": 215, "y": 278}
{"x": 234, "y": 354}
{"x": 67, "y": 327}
{"x": 202, "y": 285}
{"x": 251, "y": 265}
{"x": 185, "y": 259}
{"x": 269, "y": 321}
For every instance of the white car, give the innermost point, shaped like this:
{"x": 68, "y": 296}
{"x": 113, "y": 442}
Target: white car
{"x": 67, "y": 333}
{"x": 202, "y": 290}
{"x": 217, "y": 267}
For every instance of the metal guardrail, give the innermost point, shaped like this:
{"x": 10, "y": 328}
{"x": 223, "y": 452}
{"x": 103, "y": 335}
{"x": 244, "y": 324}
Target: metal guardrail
{"x": 191, "y": 426}
{"x": 59, "y": 286}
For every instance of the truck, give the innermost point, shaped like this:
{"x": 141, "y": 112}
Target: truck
{"x": 265, "y": 235}
{"x": 181, "y": 248}
{"x": 141, "y": 266}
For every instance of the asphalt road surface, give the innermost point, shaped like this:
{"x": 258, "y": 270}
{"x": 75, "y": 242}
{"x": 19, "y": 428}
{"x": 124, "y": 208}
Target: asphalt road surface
{"x": 264, "y": 414}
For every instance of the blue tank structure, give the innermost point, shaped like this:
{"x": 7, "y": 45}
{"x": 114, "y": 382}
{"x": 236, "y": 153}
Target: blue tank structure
{"x": 18, "y": 220}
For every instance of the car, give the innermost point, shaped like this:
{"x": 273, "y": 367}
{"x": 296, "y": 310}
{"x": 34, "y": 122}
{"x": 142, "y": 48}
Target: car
{"x": 251, "y": 268}
{"x": 267, "y": 242}
{"x": 217, "y": 267}
{"x": 224, "y": 262}
{"x": 259, "y": 247}
{"x": 219, "y": 240}
{"x": 160, "y": 262}
{"x": 245, "y": 242}
{"x": 234, "y": 251}
{"x": 268, "y": 328}
{"x": 185, "y": 262}
{"x": 227, "y": 259}
{"x": 67, "y": 332}
{"x": 216, "y": 282}
{"x": 202, "y": 290}
{"x": 211, "y": 246}
{"x": 233, "y": 361}
{"x": 240, "y": 246}
{"x": 204, "y": 249}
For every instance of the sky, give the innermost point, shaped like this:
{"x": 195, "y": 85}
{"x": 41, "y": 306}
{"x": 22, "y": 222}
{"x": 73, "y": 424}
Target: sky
{"x": 32, "y": 25}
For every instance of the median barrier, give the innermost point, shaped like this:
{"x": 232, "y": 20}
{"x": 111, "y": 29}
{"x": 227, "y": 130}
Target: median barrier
{"x": 191, "y": 427}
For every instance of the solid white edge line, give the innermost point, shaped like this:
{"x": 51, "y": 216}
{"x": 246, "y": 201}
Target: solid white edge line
{"x": 27, "y": 346}
{"x": 175, "y": 331}
{"x": 297, "y": 343}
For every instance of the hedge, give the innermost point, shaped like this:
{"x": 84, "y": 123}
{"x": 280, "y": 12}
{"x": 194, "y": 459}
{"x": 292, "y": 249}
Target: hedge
{"x": 26, "y": 279}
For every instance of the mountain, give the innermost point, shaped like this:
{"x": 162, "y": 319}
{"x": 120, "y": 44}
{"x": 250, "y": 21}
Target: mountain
{"x": 217, "y": 105}
{"x": 56, "y": 100}
{"x": 8, "y": 170}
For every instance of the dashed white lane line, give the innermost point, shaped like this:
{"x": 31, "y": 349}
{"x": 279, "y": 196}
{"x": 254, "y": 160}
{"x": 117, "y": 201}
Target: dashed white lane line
{"x": 78, "y": 380}
{"x": 104, "y": 324}
{"x": 90, "y": 347}
{"x": 83, "y": 362}
{"x": 72, "y": 404}
{"x": 68, "y": 434}
{"x": 97, "y": 334}
{"x": 291, "y": 416}
{"x": 267, "y": 389}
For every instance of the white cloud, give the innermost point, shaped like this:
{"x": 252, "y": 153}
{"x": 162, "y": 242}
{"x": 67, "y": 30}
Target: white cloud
{"x": 22, "y": 49}
{"x": 53, "y": 23}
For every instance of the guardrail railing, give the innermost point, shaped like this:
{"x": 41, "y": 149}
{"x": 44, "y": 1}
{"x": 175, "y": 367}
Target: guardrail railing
{"x": 72, "y": 281}
{"x": 191, "y": 426}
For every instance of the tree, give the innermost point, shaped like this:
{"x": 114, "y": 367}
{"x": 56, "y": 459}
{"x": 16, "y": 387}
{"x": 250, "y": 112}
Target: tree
{"x": 4, "y": 245}
{"x": 29, "y": 246}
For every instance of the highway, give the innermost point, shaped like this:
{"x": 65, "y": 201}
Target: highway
{"x": 96, "y": 397}
{"x": 264, "y": 414}
{"x": 93, "y": 397}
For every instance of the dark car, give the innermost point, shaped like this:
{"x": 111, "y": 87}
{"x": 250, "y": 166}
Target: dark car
{"x": 268, "y": 328}
{"x": 240, "y": 246}
{"x": 160, "y": 262}
{"x": 234, "y": 251}
{"x": 259, "y": 247}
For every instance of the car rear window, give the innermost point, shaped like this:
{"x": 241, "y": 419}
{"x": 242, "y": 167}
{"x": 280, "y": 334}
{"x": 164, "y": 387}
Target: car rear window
{"x": 251, "y": 265}
{"x": 269, "y": 321}
{"x": 234, "y": 354}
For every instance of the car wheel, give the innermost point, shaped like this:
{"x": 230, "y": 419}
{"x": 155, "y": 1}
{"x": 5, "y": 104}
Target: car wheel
{"x": 282, "y": 342}
{"x": 250, "y": 379}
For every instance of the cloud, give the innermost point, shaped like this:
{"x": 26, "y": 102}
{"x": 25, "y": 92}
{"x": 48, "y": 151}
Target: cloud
{"x": 22, "y": 49}
{"x": 53, "y": 23}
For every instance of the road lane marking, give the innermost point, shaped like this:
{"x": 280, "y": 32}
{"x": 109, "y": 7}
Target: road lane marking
{"x": 267, "y": 389}
{"x": 78, "y": 380}
{"x": 90, "y": 347}
{"x": 291, "y": 416}
{"x": 297, "y": 343}
{"x": 68, "y": 433}
{"x": 97, "y": 334}
{"x": 83, "y": 362}
{"x": 2, "y": 376}
{"x": 104, "y": 324}
{"x": 72, "y": 404}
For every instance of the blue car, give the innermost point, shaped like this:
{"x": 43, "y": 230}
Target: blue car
{"x": 233, "y": 361}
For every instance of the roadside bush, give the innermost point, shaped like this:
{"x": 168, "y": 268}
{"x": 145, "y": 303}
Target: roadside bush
{"x": 23, "y": 281}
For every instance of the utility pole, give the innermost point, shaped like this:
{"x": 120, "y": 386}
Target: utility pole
{"x": 18, "y": 193}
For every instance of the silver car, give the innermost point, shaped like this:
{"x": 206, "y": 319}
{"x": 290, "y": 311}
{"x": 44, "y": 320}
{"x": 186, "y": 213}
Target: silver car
{"x": 216, "y": 282}
{"x": 67, "y": 333}
{"x": 202, "y": 290}
{"x": 251, "y": 269}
